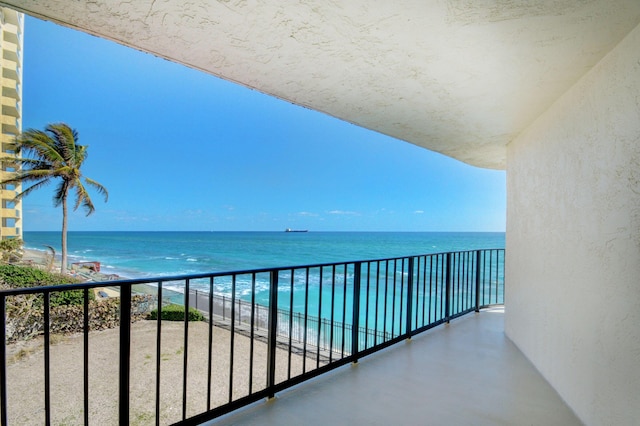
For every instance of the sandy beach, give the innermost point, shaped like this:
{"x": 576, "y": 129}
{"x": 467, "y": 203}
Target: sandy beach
{"x": 25, "y": 376}
{"x": 26, "y": 381}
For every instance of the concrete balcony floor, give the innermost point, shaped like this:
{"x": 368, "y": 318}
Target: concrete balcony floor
{"x": 464, "y": 373}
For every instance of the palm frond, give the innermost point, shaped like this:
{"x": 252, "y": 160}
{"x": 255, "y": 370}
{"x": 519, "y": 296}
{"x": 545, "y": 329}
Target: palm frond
{"x": 98, "y": 187}
{"x": 66, "y": 141}
{"x": 42, "y": 156}
{"x": 32, "y": 188}
{"x": 27, "y": 176}
{"x": 83, "y": 198}
{"x": 61, "y": 193}
{"x": 39, "y": 145}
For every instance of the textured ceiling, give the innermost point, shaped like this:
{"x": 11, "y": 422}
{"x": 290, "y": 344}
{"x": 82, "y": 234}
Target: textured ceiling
{"x": 460, "y": 77}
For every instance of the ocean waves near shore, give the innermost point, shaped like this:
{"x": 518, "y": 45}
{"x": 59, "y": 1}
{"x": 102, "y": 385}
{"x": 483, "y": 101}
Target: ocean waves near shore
{"x": 151, "y": 254}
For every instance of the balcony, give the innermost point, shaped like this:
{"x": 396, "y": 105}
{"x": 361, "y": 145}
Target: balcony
{"x": 10, "y": 125}
{"x": 10, "y": 213}
{"x": 10, "y": 52}
{"x": 345, "y": 325}
{"x": 10, "y": 107}
{"x": 10, "y": 89}
{"x": 10, "y": 33}
{"x": 464, "y": 373}
{"x": 9, "y": 231}
{"x": 10, "y": 70}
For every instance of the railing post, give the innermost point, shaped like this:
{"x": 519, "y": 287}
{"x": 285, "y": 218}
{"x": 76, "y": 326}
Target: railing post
{"x": 410, "y": 297}
{"x": 273, "y": 328}
{"x": 125, "y": 353}
{"x": 478, "y": 258}
{"x": 356, "y": 311}
{"x": 447, "y": 297}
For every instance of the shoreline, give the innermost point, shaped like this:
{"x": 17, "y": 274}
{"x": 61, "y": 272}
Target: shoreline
{"x": 40, "y": 259}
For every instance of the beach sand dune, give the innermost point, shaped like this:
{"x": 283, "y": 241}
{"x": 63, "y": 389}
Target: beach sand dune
{"x": 25, "y": 374}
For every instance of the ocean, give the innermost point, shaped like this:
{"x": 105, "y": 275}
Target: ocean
{"x": 155, "y": 254}
{"x": 171, "y": 254}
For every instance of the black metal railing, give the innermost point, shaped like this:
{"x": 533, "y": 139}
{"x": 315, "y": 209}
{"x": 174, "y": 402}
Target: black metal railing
{"x": 267, "y": 330}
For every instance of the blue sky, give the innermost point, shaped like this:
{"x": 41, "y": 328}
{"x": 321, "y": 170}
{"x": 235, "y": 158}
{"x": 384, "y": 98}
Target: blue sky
{"x": 182, "y": 150}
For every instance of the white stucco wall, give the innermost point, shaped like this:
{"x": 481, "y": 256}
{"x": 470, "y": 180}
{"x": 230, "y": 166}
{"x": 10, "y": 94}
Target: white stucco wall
{"x": 573, "y": 241}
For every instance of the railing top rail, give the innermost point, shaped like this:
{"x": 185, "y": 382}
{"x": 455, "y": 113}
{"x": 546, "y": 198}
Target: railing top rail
{"x": 163, "y": 279}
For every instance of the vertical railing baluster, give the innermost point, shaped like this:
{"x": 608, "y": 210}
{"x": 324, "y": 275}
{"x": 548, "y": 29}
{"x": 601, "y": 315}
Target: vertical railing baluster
{"x": 386, "y": 291}
{"x": 356, "y": 311}
{"x": 430, "y": 288}
{"x": 306, "y": 321}
{"x": 437, "y": 286}
{"x": 478, "y": 269}
{"x": 158, "y": 351}
{"x": 232, "y": 335}
{"x": 424, "y": 291}
{"x": 490, "y": 274}
{"x": 3, "y": 362}
{"x": 393, "y": 299}
{"x": 447, "y": 298}
{"x": 252, "y": 333}
{"x": 291, "y": 289}
{"x": 125, "y": 353}
{"x": 468, "y": 292}
{"x": 402, "y": 298}
{"x": 498, "y": 276}
{"x": 409, "y": 298}
{"x": 319, "y": 334}
{"x": 47, "y": 358}
{"x": 458, "y": 269}
{"x": 333, "y": 299}
{"x": 344, "y": 307}
{"x": 443, "y": 284}
{"x": 375, "y": 336}
{"x": 85, "y": 360}
{"x": 416, "y": 284}
{"x": 273, "y": 313}
{"x": 366, "y": 317}
{"x": 185, "y": 354}
{"x": 210, "y": 344}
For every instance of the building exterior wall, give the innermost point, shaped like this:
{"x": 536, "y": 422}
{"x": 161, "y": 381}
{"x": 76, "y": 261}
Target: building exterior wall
{"x": 573, "y": 241}
{"x": 11, "y": 37}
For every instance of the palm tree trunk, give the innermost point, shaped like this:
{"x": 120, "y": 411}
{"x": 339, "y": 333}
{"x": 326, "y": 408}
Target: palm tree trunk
{"x": 63, "y": 263}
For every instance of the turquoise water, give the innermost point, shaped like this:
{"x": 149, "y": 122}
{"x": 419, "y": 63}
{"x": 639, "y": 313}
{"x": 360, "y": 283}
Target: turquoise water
{"x": 156, "y": 254}
{"x": 151, "y": 254}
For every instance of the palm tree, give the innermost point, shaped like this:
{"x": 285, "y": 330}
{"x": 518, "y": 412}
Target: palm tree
{"x": 52, "y": 154}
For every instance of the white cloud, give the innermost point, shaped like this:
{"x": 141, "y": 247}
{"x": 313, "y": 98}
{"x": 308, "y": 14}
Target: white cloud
{"x": 343, "y": 212}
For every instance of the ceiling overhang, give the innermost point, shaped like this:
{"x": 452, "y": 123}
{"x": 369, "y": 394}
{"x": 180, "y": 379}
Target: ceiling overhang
{"x": 459, "y": 77}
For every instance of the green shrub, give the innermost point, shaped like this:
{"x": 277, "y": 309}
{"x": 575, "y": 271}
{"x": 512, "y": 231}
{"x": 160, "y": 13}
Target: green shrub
{"x": 11, "y": 249}
{"x": 25, "y": 276}
{"x": 176, "y": 313}
{"x": 15, "y": 276}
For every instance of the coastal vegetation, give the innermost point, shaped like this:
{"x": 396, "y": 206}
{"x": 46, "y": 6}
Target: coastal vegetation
{"x": 25, "y": 313}
{"x": 15, "y": 276}
{"x": 11, "y": 249}
{"x": 54, "y": 155}
{"x": 175, "y": 312}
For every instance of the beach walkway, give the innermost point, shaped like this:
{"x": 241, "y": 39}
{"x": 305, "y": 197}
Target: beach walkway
{"x": 465, "y": 373}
